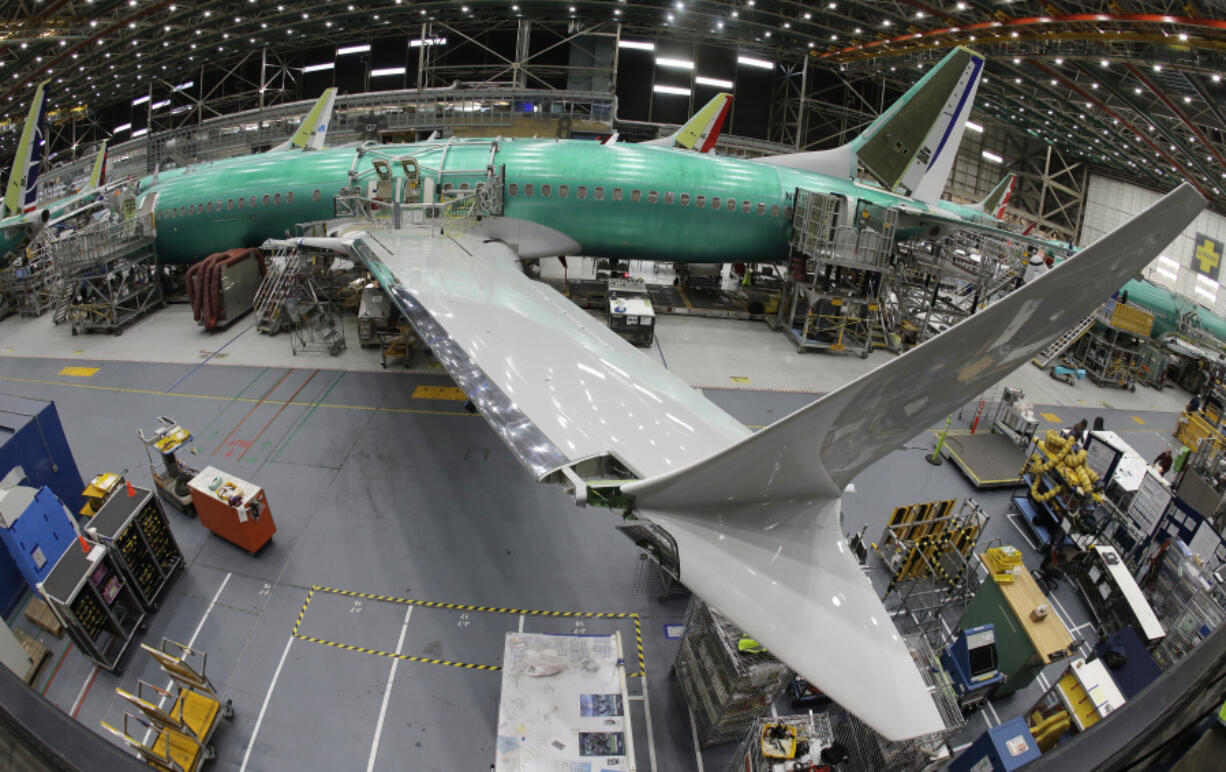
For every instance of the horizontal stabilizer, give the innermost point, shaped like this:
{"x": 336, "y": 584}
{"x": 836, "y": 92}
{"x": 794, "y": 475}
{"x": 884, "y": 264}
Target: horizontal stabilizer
{"x": 758, "y": 526}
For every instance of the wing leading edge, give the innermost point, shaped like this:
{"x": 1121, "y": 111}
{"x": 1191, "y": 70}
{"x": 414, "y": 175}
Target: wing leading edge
{"x": 758, "y": 526}
{"x": 756, "y": 517}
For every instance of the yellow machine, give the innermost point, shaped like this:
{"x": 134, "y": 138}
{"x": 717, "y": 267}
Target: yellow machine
{"x": 98, "y": 491}
{"x": 167, "y": 440}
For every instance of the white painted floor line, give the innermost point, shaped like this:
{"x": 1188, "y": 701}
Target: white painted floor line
{"x": 959, "y": 748}
{"x": 651, "y": 732}
{"x": 987, "y": 720}
{"x": 192, "y": 642}
{"x": 521, "y": 623}
{"x": 387, "y": 692}
{"x": 89, "y": 679}
{"x": 263, "y": 708}
{"x": 634, "y": 697}
{"x": 1013, "y": 519}
{"x": 774, "y": 711}
{"x": 694, "y": 737}
{"x": 992, "y": 708}
{"x": 1042, "y": 679}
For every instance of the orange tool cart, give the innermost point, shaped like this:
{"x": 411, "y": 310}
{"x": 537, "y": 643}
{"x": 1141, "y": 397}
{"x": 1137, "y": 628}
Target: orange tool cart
{"x": 234, "y": 509}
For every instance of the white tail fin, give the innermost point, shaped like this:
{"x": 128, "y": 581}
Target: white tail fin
{"x": 22, "y": 190}
{"x": 758, "y": 525}
{"x": 314, "y": 128}
{"x": 700, "y": 132}
{"x": 996, "y": 201}
{"x": 911, "y": 145}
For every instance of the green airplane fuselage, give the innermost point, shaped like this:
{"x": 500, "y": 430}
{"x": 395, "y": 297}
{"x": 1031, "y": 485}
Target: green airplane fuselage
{"x": 622, "y": 201}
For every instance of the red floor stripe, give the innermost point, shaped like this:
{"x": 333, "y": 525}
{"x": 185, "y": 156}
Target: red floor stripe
{"x": 284, "y": 404}
{"x": 249, "y": 412}
{"x": 57, "y": 668}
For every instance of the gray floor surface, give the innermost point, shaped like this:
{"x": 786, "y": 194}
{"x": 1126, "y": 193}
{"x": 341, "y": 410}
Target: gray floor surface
{"x": 377, "y": 493}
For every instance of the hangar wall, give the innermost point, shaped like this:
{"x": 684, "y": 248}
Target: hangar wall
{"x": 1110, "y": 203}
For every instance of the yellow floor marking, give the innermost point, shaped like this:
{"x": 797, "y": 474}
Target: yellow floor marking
{"x": 439, "y": 392}
{"x": 1050, "y": 418}
{"x": 739, "y": 379}
{"x": 252, "y": 400}
{"x": 79, "y": 372}
{"x": 1139, "y": 420}
{"x": 638, "y": 628}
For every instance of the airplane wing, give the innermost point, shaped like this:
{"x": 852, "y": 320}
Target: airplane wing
{"x": 756, "y": 517}
{"x": 556, "y": 384}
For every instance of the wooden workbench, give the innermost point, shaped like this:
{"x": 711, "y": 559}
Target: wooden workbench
{"x": 1023, "y": 646}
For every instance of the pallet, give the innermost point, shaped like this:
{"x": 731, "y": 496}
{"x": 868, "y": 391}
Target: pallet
{"x": 37, "y": 653}
{"x": 38, "y": 612}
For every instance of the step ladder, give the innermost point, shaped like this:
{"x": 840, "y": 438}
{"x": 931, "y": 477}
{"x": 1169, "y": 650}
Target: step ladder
{"x": 315, "y": 325}
{"x": 1062, "y": 344}
{"x": 283, "y": 269}
{"x": 61, "y": 298}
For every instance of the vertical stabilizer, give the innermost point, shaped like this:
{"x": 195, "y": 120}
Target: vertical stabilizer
{"x": 700, "y": 132}
{"x": 996, "y": 201}
{"x": 22, "y": 190}
{"x": 912, "y": 144}
{"x": 314, "y": 128}
{"x": 97, "y": 176}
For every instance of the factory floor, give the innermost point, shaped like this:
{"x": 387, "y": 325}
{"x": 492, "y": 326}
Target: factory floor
{"x": 380, "y": 496}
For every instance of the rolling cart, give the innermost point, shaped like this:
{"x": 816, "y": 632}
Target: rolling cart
{"x": 167, "y": 440}
{"x": 92, "y": 599}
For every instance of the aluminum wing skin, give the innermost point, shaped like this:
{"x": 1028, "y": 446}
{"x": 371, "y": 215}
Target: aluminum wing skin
{"x": 757, "y": 525}
{"x": 555, "y": 383}
{"x": 756, "y": 517}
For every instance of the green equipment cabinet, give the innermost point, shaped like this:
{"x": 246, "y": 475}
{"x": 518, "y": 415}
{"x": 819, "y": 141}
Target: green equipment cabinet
{"x": 1026, "y": 640}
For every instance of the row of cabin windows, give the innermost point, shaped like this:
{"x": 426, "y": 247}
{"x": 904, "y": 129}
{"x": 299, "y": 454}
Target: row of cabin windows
{"x": 653, "y": 197}
{"x": 232, "y": 203}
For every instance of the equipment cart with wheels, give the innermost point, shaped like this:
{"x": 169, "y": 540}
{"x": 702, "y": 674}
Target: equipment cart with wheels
{"x": 92, "y": 599}
{"x": 167, "y": 440}
{"x": 234, "y": 509}
{"x": 142, "y": 546}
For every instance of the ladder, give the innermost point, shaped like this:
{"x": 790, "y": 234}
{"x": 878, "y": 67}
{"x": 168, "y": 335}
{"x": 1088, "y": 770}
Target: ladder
{"x": 282, "y": 270}
{"x": 1061, "y": 344}
{"x": 62, "y": 294}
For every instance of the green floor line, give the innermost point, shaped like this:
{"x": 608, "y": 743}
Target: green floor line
{"x": 233, "y": 400}
{"x": 285, "y": 443}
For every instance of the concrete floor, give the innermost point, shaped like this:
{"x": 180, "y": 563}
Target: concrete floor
{"x": 376, "y": 493}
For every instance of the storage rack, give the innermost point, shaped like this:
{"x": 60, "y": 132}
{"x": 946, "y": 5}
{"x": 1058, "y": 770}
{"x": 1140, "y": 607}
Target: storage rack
{"x": 726, "y": 689}
{"x": 1181, "y": 595}
{"x": 95, "y": 603}
{"x": 142, "y": 545}
{"x": 813, "y": 728}
{"x": 868, "y": 751}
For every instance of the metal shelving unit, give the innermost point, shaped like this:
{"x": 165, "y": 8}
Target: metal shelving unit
{"x": 727, "y": 690}
{"x": 96, "y": 605}
{"x": 141, "y": 543}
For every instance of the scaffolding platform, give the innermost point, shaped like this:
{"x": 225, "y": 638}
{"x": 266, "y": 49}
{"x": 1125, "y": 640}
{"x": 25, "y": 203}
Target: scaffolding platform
{"x": 106, "y": 276}
{"x": 988, "y": 459}
{"x": 726, "y": 686}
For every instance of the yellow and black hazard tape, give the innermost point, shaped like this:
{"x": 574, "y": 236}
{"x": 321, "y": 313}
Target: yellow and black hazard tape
{"x": 393, "y": 655}
{"x": 638, "y": 628}
{"x": 469, "y": 607}
{"x": 302, "y": 613}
